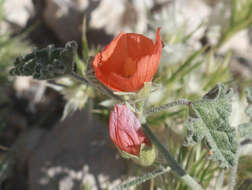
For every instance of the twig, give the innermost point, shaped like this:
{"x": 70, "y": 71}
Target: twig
{"x": 143, "y": 178}
{"x": 165, "y": 106}
{"x": 180, "y": 172}
{"x": 100, "y": 88}
{"x": 79, "y": 78}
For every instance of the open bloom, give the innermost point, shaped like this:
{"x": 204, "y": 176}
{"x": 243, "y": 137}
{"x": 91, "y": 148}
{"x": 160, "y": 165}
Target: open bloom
{"x": 125, "y": 130}
{"x": 128, "y": 61}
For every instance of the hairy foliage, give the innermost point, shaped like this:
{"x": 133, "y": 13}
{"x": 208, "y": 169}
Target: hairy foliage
{"x": 209, "y": 120}
{"x": 46, "y": 63}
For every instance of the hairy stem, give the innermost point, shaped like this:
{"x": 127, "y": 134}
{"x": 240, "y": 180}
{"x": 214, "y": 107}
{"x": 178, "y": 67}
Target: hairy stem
{"x": 101, "y": 88}
{"x": 169, "y": 105}
{"x": 175, "y": 167}
{"x": 78, "y": 77}
{"x": 143, "y": 178}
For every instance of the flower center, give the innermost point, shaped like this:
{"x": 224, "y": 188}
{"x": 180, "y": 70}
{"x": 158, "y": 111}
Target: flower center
{"x": 129, "y": 67}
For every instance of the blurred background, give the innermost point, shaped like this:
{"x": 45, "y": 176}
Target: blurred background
{"x": 47, "y": 141}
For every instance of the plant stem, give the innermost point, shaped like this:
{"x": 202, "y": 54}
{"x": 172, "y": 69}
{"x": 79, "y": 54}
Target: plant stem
{"x": 143, "y": 178}
{"x": 165, "y": 106}
{"x": 101, "y": 88}
{"x": 78, "y": 77}
{"x": 180, "y": 172}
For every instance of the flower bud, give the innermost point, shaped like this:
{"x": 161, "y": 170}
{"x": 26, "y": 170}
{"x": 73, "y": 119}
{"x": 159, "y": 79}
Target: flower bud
{"x": 126, "y": 133}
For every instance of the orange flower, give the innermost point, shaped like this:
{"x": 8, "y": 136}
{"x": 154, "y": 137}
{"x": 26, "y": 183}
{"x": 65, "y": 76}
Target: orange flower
{"x": 128, "y": 61}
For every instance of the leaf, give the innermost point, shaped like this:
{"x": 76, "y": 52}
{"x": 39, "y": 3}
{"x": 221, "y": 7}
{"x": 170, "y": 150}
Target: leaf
{"x": 245, "y": 130}
{"x": 249, "y": 99}
{"x": 209, "y": 120}
{"x": 46, "y": 63}
{"x": 84, "y": 41}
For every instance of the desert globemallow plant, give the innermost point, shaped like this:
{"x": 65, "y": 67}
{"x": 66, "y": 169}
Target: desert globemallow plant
{"x": 124, "y": 70}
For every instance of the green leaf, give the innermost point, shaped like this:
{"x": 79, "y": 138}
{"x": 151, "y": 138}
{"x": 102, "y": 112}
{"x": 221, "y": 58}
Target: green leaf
{"x": 46, "y": 63}
{"x": 209, "y": 120}
{"x": 245, "y": 130}
{"x": 249, "y": 95}
{"x": 84, "y": 41}
{"x": 249, "y": 99}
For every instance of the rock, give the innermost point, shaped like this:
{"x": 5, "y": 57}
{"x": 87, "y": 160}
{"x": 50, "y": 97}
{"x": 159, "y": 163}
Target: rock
{"x": 124, "y": 16}
{"x": 18, "y": 11}
{"x": 20, "y": 152}
{"x": 76, "y": 153}
{"x": 65, "y": 18}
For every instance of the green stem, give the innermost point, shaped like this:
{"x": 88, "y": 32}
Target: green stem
{"x": 102, "y": 89}
{"x": 143, "y": 178}
{"x": 180, "y": 172}
{"x": 165, "y": 106}
{"x": 78, "y": 77}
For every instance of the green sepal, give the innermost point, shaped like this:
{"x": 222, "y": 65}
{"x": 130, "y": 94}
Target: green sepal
{"x": 146, "y": 157}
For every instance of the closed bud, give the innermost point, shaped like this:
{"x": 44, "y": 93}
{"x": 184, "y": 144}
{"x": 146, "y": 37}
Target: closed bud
{"x": 126, "y": 133}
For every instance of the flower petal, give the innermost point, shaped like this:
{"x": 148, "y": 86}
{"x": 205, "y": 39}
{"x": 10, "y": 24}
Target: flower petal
{"x": 128, "y": 61}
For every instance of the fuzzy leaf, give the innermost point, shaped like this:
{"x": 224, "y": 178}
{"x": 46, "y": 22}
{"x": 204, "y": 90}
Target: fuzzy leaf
{"x": 209, "y": 120}
{"x": 46, "y": 63}
{"x": 249, "y": 99}
{"x": 245, "y": 130}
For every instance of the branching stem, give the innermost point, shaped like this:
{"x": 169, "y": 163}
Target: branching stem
{"x": 102, "y": 89}
{"x": 79, "y": 78}
{"x": 169, "y": 105}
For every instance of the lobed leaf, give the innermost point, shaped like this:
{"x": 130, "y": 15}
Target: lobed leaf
{"x": 245, "y": 129}
{"x": 46, "y": 63}
{"x": 209, "y": 120}
{"x": 249, "y": 99}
